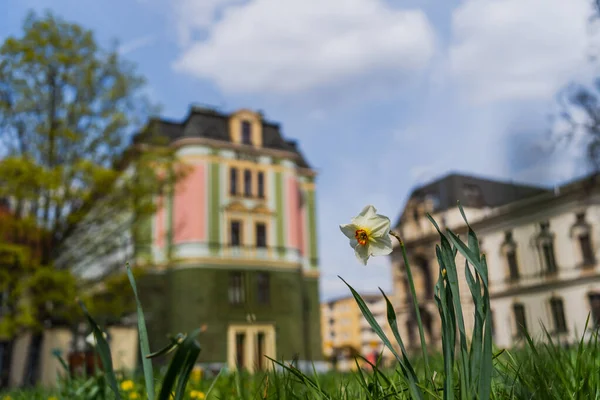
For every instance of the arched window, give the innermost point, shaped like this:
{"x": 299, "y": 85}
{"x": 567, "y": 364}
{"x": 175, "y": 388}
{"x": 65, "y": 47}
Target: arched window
{"x": 520, "y": 319}
{"x": 509, "y": 251}
{"x": 581, "y": 232}
{"x": 558, "y": 315}
{"x": 545, "y": 244}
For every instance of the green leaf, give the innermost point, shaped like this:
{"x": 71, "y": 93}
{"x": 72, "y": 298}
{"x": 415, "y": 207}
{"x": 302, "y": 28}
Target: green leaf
{"x": 414, "y": 390}
{"x": 180, "y": 368}
{"x": 104, "y": 351}
{"x": 144, "y": 343}
{"x": 175, "y": 341}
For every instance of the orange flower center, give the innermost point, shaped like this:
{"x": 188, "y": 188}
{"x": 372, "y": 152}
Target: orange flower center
{"x": 361, "y": 236}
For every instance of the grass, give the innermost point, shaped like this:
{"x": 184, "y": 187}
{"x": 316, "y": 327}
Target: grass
{"x": 468, "y": 367}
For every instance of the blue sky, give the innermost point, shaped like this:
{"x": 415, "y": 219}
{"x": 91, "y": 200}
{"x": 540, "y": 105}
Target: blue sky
{"x": 382, "y": 96}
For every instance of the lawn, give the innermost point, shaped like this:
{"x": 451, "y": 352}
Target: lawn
{"x": 468, "y": 367}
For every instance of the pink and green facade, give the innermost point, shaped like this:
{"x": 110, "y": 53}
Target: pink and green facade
{"x": 234, "y": 246}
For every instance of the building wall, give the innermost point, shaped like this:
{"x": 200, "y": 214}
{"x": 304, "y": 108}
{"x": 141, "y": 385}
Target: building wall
{"x": 124, "y": 347}
{"x": 534, "y": 288}
{"x": 193, "y": 255}
{"x": 201, "y": 296}
{"x": 343, "y": 325}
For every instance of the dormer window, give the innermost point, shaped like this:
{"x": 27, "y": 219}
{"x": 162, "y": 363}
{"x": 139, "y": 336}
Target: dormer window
{"x": 246, "y": 132}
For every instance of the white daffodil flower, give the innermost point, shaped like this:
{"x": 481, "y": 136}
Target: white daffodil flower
{"x": 369, "y": 234}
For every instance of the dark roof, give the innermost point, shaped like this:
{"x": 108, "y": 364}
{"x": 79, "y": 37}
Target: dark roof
{"x": 209, "y": 123}
{"x": 472, "y": 191}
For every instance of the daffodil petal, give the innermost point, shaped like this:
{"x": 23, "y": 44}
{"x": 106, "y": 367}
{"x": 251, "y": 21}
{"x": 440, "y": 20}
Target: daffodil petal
{"x": 378, "y": 225}
{"x": 353, "y": 242}
{"x": 349, "y": 230}
{"x": 362, "y": 253}
{"x": 380, "y": 246}
{"x": 366, "y": 213}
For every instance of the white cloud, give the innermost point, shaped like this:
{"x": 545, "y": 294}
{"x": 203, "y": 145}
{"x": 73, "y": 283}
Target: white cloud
{"x": 282, "y": 46}
{"x": 136, "y": 44}
{"x": 518, "y": 49}
{"x": 192, "y": 15}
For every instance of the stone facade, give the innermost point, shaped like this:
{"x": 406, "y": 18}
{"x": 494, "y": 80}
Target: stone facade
{"x": 541, "y": 248}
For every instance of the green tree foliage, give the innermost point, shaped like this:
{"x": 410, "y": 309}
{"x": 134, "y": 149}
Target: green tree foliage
{"x": 68, "y": 112}
{"x": 32, "y": 293}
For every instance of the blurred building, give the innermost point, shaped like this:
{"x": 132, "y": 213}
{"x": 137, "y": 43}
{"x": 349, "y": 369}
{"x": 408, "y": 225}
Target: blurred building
{"x": 347, "y": 334}
{"x": 541, "y": 247}
{"x": 234, "y": 247}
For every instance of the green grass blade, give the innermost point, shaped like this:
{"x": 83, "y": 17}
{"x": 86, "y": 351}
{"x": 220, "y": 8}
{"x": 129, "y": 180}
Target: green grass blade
{"x": 392, "y": 321}
{"x": 212, "y": 385}
{"x": 143, "y": 335}
{"x": 175, "y": 341}
{"x": 179, "y": 365}
{"x": 104, "y": 351}
{"x": 415, "y": 392}
{"x": 413, "y": 293}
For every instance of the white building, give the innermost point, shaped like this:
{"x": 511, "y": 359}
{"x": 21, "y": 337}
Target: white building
{"x": 540, "y": 245}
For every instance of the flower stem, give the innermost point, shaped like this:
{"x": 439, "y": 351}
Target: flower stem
{"x": 416, "y": 305}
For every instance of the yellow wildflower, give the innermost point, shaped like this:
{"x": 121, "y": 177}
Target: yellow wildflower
{"x": 134, "y": 395}
{"x": 52, "y": 398}
{"x": 196, "y": 394}
{"x": 127, "y": 385}
{"x": 197, "y": 374}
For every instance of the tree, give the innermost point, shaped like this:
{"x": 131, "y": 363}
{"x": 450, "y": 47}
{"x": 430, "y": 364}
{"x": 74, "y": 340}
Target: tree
{"x": 73, "y": 179}
{"x": 580, "y": 115}
{"x": 68, "y": 111}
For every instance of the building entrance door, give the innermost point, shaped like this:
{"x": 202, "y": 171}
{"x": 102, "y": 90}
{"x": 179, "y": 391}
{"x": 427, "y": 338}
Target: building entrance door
{"x": 248, "y": 346}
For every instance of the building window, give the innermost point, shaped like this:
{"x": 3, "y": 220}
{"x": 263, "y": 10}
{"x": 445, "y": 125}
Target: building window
{"x": 246, "y": 132}
{"x": 261, "y": 235}
{"x": 509, "y": 248}
{"x": 546, "y": 246}
{"x": 236, "y": 233}
{"x": 520, "y": 321}
{"x": 549, "y": 260}
{"x": 233, "y": 181}
{"x": 513, "y": 267}
{"x": 415, "y": 214}
{"x": 261, "y": 184}
{"x": 236, "y": 288}
{"x": 264, "y": 288}
{"x": 247, "y": 183}
{"x": 595, "y": 307}
{"x": 587, "y": 251}
{"x": 558, "y": 315}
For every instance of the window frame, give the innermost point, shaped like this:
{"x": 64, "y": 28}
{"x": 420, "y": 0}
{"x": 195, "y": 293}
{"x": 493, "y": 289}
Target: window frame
{"x": 256, "y": 235}
{"x": 236, "y": 290}
{"x": 240, "y": 233}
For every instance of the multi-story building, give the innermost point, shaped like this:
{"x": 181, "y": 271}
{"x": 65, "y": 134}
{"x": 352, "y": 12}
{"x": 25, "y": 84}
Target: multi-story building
{"x": 234, "y": 248}
{"x": 540, "y": 246}
{"x": 346, "y": 333}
